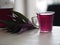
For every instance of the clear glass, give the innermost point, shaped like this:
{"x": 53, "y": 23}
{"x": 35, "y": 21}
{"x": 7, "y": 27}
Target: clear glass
{"x": 45, "y": 21}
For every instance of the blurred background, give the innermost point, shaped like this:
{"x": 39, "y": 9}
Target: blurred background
{"x": 30, "y": 7}
{"x": 50, "y": 5}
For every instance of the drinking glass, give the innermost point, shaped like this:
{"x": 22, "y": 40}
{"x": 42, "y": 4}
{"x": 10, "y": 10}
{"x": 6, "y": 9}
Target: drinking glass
{"x": 44, "y": 20}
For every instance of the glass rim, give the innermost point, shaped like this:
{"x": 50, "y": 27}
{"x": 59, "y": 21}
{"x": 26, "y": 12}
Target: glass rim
{"x": 46, "y": 13}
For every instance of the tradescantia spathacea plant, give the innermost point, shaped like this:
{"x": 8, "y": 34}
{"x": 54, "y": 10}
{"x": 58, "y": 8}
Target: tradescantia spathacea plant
{"x": 18, "y": 24}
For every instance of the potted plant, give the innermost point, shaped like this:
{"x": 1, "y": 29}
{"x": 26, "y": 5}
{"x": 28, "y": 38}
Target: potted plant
{"x": 19, "y": 23}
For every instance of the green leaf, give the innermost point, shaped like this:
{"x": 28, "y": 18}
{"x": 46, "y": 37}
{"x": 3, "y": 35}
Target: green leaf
{"x": 21, "y": 16}
{"x": 14, "y": 25}
{"x": 9, "y": 23}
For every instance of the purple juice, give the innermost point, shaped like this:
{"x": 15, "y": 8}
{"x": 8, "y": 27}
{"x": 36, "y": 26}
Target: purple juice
{"x": 45, "y": 21}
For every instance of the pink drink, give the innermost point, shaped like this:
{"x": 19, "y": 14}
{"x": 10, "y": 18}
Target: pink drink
{"x": 45, "y": 21}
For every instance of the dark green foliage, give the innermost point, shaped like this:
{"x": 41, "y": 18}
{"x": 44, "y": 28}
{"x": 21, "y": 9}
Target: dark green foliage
{"x": 18, "y": 23}
{"x": 21, "y": 16}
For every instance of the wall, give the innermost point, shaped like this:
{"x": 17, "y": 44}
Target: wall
{"x": 19, "y": 6}
{"x": 6, "y": 3}
{"x": 26, "y": 7}
{"x": 31, "y": 5}
{"x": 56, "y": 1}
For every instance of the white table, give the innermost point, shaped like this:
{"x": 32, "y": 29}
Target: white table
{"x": 33, "y": 37}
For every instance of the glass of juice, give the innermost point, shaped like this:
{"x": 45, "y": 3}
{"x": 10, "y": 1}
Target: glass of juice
{"x": 45, "y": 21}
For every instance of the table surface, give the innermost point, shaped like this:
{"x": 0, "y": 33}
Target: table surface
{"x": 32, "y": 37}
